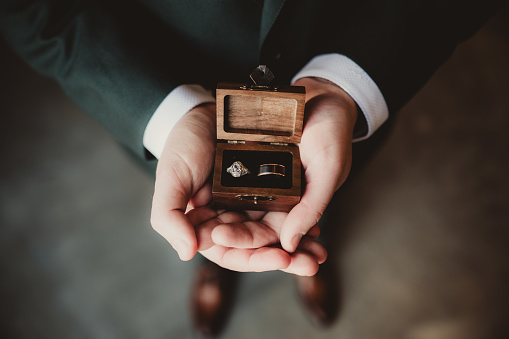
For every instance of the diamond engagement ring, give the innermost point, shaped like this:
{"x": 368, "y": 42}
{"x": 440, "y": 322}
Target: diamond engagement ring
{"x": 237, "y": 169}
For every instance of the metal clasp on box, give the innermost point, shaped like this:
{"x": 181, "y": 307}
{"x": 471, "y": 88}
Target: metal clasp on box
{"x": 255, "y": 198}
{"x": 259, "y": 88}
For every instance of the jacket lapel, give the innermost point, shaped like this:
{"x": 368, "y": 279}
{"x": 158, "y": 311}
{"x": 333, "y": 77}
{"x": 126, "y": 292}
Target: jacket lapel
{"x": 271, "y": 9}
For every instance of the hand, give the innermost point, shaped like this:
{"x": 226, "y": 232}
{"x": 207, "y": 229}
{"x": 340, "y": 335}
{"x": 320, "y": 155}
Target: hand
{"x": 182, "y": 171}
{"x": 181, "y": 211}
{"x": 326, "y": 155}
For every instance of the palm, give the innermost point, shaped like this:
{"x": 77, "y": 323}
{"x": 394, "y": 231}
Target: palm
{"x": 252, "y": 241}
{"x": 239, "y": 241}
{"x": 248, "y": 241}
{"x": 326, "y": 158}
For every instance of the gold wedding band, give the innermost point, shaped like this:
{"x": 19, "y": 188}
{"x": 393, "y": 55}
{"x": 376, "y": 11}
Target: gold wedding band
{"x": 271, "y": 169}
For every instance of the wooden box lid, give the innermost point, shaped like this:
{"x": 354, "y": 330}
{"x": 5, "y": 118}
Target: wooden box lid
{"x": 268, "y": 115}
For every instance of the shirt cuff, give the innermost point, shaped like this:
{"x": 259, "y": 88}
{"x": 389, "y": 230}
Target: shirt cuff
{"x": 176, "y": 104}
{"x": 345, "y": 73}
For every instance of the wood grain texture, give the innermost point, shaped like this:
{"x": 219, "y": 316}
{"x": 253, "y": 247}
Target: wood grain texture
{"x": 258, "y": 117}
{"x": 265, "y": 116}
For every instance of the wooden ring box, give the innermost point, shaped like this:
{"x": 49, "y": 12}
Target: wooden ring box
{"x": 256, "y": 126}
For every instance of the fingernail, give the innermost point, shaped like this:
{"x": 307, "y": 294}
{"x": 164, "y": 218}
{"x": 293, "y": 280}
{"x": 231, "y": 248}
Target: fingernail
{"x": 181, "y": 247}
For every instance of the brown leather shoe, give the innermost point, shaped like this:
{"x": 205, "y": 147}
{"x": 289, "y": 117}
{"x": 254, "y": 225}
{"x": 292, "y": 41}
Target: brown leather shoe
{"x": 212, "y": 298}
{"x": 319, "y": 295}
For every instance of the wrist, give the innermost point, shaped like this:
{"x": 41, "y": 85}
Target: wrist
{"x": 344, "y": 72}
{"x": 322, "y": 88}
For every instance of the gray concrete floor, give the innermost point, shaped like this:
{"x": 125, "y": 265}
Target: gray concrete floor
{"x": 422, "y": 238}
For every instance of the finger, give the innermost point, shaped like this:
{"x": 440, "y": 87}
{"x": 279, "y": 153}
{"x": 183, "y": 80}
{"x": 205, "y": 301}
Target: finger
{"x": 307, "y": 258}
{"x": 326, "y": 157}
{"x": 248, "y": 260}
{"x": 205, "y": 229}
{"x": 322, "y": 173}
{"x": 172, "y": 192}
{"x": 251, "y": 234}
{"x": 175, "y": 227}
{"x": 275, "y": 220}
{"x": 302, "y": 263}
{"x": 198, "y": 218}
{"x": 247, "y": 234}
{"x": 313, "y": 248}
{"x": 178, "y": 179}
{"x": 306, "y": 213}
{"x": 200, "y": 215}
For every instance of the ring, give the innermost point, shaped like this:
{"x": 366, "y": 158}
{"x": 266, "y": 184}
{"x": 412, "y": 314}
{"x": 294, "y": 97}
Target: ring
{"x": 271, "y": 169}
{"x": 237, "y": 169}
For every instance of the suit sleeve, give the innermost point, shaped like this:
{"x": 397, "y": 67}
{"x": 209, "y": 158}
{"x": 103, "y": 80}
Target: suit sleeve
{"x": 401, "y": 43}
{"x": 104, "y": 58}
{"x": 398, "y": 43}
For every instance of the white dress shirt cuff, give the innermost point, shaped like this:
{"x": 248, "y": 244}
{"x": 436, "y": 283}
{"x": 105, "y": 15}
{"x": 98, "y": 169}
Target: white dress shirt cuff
{"x": 176, "y": 104}
{"x": 345, "y": 73}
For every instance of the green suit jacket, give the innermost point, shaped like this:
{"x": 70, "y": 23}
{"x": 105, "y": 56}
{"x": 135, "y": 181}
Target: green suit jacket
{"x": 118, "y": 60}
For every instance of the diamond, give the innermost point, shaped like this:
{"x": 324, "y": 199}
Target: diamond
{"x": 237, "y": 169}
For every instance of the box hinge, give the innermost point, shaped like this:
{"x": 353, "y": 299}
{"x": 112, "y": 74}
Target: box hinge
{"x": 236, "y": 142}
{"x": 279, "y": 144}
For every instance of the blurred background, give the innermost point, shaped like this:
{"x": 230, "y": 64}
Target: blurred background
{"x": 421, "y": 241}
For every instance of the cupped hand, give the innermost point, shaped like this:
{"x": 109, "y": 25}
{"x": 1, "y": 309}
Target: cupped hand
{"x": 182, "y": 171}
{"x": 181, "y": 211}
{"x": 326, "y": 155}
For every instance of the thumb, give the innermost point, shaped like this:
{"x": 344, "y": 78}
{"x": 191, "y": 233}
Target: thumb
{"x": 183, "y": 169}
{"x": 168, "y": 218}
{"x": 306, "y": 213}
